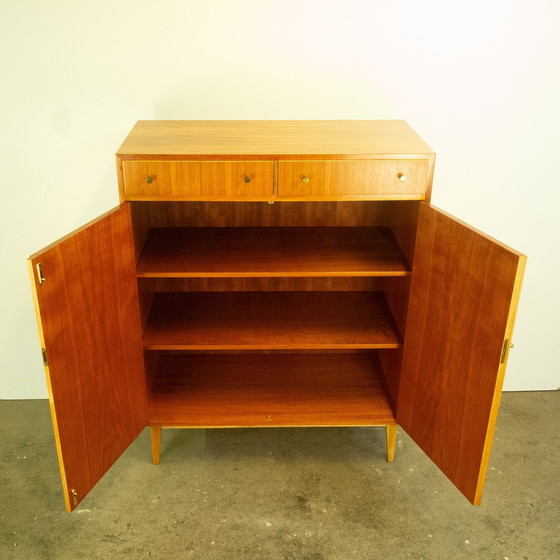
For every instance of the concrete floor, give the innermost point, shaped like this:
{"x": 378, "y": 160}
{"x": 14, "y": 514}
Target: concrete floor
{"x": 302, "y": 494}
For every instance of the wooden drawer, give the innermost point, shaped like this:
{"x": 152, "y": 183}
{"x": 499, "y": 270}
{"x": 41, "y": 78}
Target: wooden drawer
{"x": 197, "y": 179}
{"x": 383, "y": 178}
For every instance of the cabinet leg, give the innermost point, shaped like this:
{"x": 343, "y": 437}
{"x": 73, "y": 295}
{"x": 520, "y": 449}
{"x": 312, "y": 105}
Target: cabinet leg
{"x": 391, "y": 434}
{"x": 155, "y": 435}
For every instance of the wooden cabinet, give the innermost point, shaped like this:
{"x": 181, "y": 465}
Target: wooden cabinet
{"x": 279, "y": 273}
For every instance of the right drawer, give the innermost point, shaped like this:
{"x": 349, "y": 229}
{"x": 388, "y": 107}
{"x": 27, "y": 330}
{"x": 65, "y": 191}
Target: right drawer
{"x": 384, "y": 178}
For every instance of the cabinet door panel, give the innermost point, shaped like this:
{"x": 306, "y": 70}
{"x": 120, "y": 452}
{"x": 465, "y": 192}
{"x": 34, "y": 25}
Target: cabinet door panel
{"x": 87, "y": 310}
{"x": 464, "y": 293}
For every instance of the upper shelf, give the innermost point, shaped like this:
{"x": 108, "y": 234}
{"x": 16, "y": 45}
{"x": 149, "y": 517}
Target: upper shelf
{"x": 271, "y": 252}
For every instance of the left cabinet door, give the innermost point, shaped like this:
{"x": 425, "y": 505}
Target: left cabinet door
{"x": 85, "y": 294}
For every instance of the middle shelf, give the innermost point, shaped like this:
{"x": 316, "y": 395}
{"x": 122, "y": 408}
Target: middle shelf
{"x": 270, "y": 320}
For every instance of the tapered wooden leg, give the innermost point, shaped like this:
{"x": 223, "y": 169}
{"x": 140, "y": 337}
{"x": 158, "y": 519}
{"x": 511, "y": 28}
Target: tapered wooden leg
{"x": 391, "y": 434}
{"x": 155, "y": 434}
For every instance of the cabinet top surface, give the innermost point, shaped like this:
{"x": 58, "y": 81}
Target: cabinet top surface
{"x": 273, "y": 138}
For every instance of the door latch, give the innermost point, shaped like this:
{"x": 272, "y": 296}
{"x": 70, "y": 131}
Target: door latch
{"x": 505, "y": 349}
{"x": 40, "y": 277}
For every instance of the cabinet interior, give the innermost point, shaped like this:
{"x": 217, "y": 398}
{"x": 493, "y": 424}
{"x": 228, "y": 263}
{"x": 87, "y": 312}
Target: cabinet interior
{"x": 258, "y": 314}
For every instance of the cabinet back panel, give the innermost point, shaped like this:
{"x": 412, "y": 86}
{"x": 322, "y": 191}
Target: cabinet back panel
{"x": 400, "y": 216}
{"x": 260, "y": 284}
{"x": 263, "y": 214}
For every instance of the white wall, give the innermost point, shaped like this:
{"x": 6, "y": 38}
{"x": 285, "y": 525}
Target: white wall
{"x": 479, "y": 80}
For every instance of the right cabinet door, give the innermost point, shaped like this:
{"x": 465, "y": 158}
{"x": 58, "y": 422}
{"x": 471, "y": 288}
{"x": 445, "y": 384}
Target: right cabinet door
{"x": 464, "y": 292}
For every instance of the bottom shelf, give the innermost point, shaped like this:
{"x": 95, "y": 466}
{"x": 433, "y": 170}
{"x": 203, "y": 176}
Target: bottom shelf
{"x": 257, "y": 390}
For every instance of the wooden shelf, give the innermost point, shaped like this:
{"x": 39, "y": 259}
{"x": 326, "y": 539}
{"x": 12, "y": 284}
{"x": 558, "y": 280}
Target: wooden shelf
{"x": 217, "y": 390}
{"x": 270, "y": 320}
{"x": 271, "y": 251}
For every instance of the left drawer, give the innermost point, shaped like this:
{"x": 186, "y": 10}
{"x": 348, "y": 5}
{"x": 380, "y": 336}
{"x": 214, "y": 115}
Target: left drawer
{"x": 191, "y": 180}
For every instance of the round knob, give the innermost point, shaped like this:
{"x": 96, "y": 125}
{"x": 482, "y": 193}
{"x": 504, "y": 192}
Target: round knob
{"x": 305, "y": 179}
{"x": 401, "y": 177}
{"x": 247, "y": 179}
{"x": 150, "y": 180}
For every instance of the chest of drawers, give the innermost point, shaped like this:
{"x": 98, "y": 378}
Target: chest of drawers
{"x": 275, "y": 273}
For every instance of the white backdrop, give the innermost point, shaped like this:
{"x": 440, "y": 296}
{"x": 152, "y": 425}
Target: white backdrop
{"x": 478, "y": 80}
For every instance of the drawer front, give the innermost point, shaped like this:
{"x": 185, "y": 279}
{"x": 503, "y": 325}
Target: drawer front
{"x": 384, "y": 178}
{"x": 197, "y": 179}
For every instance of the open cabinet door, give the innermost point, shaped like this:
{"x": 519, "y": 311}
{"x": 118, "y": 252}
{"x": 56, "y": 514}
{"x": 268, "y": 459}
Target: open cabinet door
{"x": 86, "y": 300}
{"x": 464, "y": 293}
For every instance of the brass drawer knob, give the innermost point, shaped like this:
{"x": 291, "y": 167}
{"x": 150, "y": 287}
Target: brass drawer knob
{"x": 150, "y": 180}
{"x": 401, "y": 177}
{"x": 247, "y": 179}
{"x": 305, "y": 179}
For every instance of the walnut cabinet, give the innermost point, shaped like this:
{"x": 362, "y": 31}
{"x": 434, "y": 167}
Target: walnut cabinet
{"x": 275, "y": 273}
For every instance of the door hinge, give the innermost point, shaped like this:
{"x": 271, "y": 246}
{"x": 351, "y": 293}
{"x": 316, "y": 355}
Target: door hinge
{"x": 44, "y": 354}
{"x": 74, "y": 497}
{"x": 40, "y": 276}
{"x": 505, "y": 349}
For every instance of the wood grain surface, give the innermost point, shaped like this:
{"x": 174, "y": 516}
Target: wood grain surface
{"x": 202, "y": 179}
{"x": 281, "y": 139}
{"x": 464, "y": 293}
{"x": 386, "y": 145}
{"x": 220, "y": 390}
{"x": 267, "y": 284}
{"x": 400, "y": 216}
{"x": 355, "y": 177}
{"x": 271, "y": 252}
{"x": 270, "y": 320}
{"x": 88, "y": 318}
